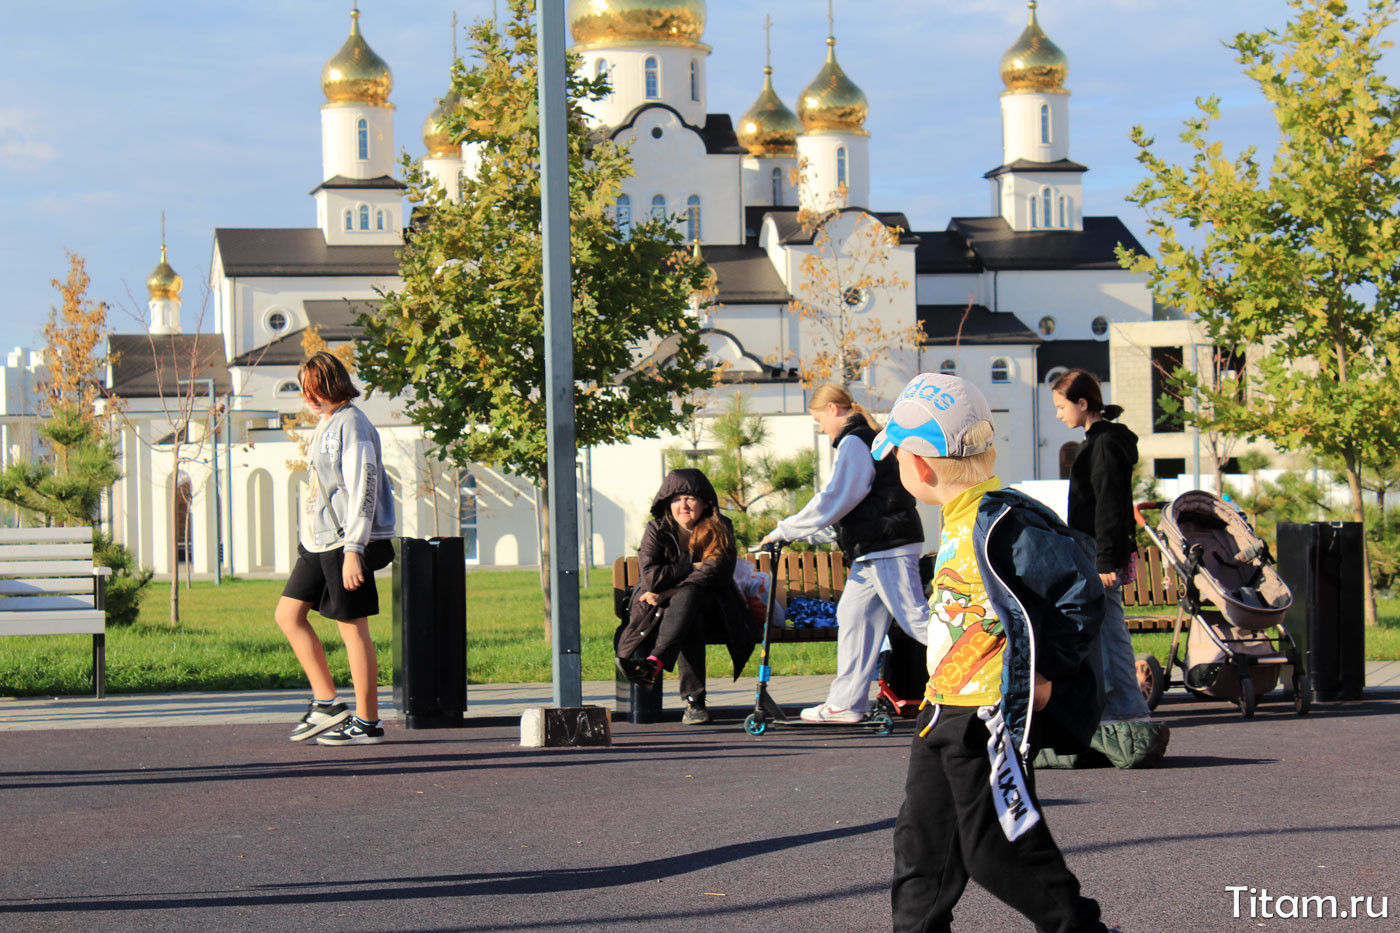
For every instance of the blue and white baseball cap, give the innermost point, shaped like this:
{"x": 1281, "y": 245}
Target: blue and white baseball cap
{"x": 931, "y": 417}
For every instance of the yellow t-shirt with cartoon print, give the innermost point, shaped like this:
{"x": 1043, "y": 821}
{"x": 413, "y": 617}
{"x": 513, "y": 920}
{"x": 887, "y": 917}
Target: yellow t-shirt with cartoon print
{"x": 965, "y": 638}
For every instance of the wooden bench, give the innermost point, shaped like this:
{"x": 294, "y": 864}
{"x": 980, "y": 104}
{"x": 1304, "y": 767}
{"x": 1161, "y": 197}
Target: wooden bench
{"x": 48, "y": 586}
{"x": 1156, "y": 588}
{"x": 819, "y": 574}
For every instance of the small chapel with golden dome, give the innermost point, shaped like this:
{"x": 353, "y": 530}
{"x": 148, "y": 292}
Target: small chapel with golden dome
{"x": 1010, "y": 298}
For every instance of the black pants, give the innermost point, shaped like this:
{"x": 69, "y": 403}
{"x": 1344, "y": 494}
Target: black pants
{"x": 948, "y": 832}
{"x": 681, "y": 637}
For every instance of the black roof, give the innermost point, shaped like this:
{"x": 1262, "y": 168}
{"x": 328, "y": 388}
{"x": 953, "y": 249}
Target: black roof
{"x": 944, "y": 251}
{"x": 298, "y": 252}
{"x": 340, "y": 181}
{"x": 753, "y": 219}
{"x": 792, "y": 230}
{"x": 745, "y": 276}
{"x": 948, "y": 325}
{"x": 1025, "y": 165}
{"x": 717, "y": 133}
{"x": 335, "y": 320}
{"x": 999, "y": 247}
{"x": 1073, "y": 354}
{"x": 151, "y": 366}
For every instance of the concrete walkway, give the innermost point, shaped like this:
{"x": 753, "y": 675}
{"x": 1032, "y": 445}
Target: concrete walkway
{"x": 486, "y": 703}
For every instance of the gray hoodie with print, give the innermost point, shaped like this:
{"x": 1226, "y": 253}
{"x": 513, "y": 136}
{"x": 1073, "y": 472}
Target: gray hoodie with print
{"x": 357, "y": 505}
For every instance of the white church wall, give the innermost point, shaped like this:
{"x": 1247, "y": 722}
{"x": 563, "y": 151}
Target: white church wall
{"x": 675, "y": 166}
{"x": 953, "y": 290}
{"x": 1075, "y": 299}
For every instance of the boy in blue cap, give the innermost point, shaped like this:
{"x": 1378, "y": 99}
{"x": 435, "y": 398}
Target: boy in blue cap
{"x": 1015, "y": 609}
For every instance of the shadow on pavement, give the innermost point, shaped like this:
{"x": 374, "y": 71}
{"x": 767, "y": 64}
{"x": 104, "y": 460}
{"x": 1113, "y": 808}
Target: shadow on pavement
{"x": 343, "y": 891}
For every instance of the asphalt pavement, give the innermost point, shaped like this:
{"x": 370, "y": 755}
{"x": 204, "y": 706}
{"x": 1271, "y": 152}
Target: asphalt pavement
{"x": 227, "y": 825}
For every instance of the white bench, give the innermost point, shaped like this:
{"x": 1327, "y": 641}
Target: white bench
{"x": 48, "y": 586}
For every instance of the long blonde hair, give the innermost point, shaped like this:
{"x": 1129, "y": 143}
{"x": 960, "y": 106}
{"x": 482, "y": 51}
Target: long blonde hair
{"x": 833, "y": 393}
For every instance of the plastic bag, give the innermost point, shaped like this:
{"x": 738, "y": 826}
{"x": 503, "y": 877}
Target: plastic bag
{"x": 753, "y": 586}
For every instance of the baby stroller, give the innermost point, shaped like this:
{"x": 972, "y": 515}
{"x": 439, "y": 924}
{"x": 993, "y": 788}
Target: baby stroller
{"x": 1238, "y": 643}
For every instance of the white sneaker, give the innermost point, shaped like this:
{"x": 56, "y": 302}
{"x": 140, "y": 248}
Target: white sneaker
{"x": 827, "y": 713}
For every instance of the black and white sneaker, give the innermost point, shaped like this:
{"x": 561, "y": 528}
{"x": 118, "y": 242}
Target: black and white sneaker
{"x": 318, "y": 719}
{"x": 354, "y": 732}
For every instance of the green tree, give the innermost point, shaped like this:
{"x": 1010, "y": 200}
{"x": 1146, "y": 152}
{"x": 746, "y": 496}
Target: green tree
{"x": 462, "y": 344}
{"x": 756, "y": 488}
{"x": 1294, "y": 267}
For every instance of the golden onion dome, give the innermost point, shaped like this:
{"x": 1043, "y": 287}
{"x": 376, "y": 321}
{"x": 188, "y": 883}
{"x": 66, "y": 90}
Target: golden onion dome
{"x": 437, "y": 138}
{"x": 769, "y": 128}
{"x": 832, "y": 101}
{"x": 1034, "y": 63}
{"x": 355, "y": 74}
{"x": 163, "y": 282}
{"x": 643, "y": 22}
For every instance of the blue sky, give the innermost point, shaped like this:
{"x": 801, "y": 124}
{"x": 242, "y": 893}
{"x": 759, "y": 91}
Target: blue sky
{"x": 113, "y": 112}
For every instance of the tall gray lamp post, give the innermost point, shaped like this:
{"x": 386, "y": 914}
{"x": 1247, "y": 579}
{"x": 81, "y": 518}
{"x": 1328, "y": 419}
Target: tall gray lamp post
{"x": 559, "y": 357}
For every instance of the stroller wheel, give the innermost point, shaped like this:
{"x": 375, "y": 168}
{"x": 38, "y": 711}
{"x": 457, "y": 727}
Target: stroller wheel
{"x": 1302, "y": 694}
{"x": 755, "y": 725}
{"x": 1151, "y": 679}
{"x": 1246, "y": 700}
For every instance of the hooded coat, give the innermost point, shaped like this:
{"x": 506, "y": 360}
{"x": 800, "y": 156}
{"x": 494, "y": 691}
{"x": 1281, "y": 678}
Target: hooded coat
{"x": 664, "y": 564}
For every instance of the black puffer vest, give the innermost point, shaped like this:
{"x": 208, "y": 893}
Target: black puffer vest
{"x": 886, "y": 518}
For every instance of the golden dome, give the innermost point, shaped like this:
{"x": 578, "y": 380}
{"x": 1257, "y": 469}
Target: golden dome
{"x": 164, "y": 282}
{"x": 1034, "y": 63}
{"x": 832, "y": 101}
{"x": 769, "y": 128}
{"x": 436, "y": 137}
{"x": 649, "y": 22}
{"x": 355, "y": 75}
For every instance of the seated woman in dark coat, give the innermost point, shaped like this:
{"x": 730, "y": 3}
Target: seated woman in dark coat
{"x": 685, "y": 593}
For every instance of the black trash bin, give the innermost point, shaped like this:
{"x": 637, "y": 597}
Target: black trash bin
{"x": 430, "y": 632}
{"x": 1322, "y": 564}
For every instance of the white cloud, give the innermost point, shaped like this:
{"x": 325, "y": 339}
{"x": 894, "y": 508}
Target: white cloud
{"x": 18, "y": 144}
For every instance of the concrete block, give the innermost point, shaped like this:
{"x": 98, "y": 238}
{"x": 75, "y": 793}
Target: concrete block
{"x": 568, "y": 727}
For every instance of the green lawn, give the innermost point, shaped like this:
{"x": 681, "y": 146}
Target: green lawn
{"x": 228, "y": 641}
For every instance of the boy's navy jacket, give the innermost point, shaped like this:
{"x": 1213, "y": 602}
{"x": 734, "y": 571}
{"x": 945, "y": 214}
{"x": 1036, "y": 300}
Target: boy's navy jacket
{"x": 1041, "y": 580}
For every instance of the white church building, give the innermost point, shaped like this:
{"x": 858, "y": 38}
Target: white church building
{"x": 1009, "y": 299}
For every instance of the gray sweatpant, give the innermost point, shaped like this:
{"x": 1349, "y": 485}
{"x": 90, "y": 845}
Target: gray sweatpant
{"x": 877, "y": 591}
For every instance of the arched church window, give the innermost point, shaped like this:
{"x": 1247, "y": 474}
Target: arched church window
{"x": 1064, "y": 213}
{"x": 379, "y": 220}
{"x": 349, "y": 219}
{"x": 841, "y": 166}
{"x": 1045, "y": 202}
{"x": 692, "y": 218}
{"x": 364, "y": 216}
{"x": 624, "y": 215}
{"x": 948, "y": 367}
{"x": 1001, "y": 372}
{"x": 1045, "y": 124}
{"x": 694, "y": 80}
{"x": 652, "y": 69}
{"x": 1034, "y": 202}
{"x": 658, "y": 207}
{"x": 362, "y": 137}
{"x": 777, "y": 187}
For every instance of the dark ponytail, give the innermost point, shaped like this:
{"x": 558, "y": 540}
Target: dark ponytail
{"x": 1080, "y": 385}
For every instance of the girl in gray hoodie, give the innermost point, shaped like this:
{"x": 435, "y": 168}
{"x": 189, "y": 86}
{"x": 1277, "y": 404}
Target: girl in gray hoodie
{"x": 346, "y": 525}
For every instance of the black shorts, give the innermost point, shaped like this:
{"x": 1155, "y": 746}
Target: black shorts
{"x": 317, "y": 579}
